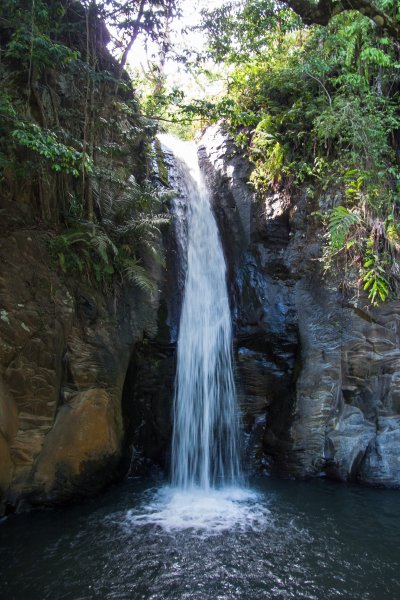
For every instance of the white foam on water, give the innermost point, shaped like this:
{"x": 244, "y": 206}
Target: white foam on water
{"x": 211, "y": 512}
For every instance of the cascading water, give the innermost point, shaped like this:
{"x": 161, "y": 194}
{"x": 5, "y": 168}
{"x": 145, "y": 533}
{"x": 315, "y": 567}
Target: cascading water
{"x": 206, "y": 492}
{"x": 205, "y": 432}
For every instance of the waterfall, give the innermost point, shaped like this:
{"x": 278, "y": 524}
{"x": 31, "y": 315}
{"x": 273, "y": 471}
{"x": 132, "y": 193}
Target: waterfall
{"x": 205, "y": 427}
{"x": 206, "y": 491}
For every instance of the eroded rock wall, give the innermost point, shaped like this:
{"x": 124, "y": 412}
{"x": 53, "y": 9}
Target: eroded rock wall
{"x": 65, "y": 349}
{"x": 69, "y": 335}
{"x": 317, "y": 371}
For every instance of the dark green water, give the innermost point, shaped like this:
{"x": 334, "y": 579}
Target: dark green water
{"x": 318, "y": 541}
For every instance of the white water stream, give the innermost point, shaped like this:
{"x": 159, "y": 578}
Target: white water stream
{"x": 205, "y": 428}
{"x": 206, "y": 491}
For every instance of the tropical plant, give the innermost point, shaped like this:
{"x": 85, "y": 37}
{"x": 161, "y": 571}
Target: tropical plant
{"x": 340, "y": 223}
{"x": 121, "y": 247}
{"x": 45, "y": 143}
{"x": 319, "y": 107}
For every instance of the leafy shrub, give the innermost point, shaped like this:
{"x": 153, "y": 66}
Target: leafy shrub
{"x": 324, "y": 106}
{"x": 45, "y": 143}
{"x": 374, "y": 276}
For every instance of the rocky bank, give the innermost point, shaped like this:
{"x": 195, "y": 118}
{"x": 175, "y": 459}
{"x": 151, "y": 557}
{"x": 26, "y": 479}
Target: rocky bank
{"x": 86, "y": 376}
{"x": 65, "y": 351}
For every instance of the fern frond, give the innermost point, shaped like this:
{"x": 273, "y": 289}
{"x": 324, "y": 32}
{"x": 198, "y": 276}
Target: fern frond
{"x": 340, "y": 222}
{"x": 102, "y": 243}
{"x": 138, "y": 275}
{"x": 155, "y": 250}
{"x": 143, "y": 225}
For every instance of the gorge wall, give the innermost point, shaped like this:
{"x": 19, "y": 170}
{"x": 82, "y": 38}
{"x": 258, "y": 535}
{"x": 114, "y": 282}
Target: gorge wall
{"x": 65, "y": 351}
{"x": 79, "y": 290}
{"x": 318, "y": 371}
{"x": 87, "y": 371}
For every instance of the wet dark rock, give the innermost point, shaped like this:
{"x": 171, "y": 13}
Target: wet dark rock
{"x": 176, "y": 250}
{"x": 64, "y": 354}
{"x": 320, "y": 371}
{"x": 147, "y": 402}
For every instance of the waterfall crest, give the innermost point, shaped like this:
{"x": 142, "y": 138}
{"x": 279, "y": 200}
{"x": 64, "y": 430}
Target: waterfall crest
{"x": 205, "y": 418}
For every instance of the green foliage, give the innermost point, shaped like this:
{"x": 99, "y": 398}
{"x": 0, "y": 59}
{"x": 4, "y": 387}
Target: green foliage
{"x": 135, "y": 273}
{"x": 30, "y": 49}
{"x": 122, "y": 246}
{"x": 371, "y": 247}
{"x": 269, "y": 167}
{"x": 86, "y": 249}
{"x": 126, "y": 16}
{"x": 340, "y": 223}
{"x": 7, "y": 110}
{"x": 65, "y": 103}
{"x": 392, "y": 233}
{"x": 239, "y": 31}
{"x": 374, "y": 275}
{"x": 89, "y": 250}
{"x": 39, "y": 49}
{"x": 319, "y": 106}
{"x": 35, "y": 27}
{"x": 45, "y": 143}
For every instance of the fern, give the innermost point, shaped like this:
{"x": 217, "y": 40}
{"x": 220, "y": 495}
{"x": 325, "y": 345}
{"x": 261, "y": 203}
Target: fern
{"x": 270, "y": 167}
{"x": 143, "y": 233}
{"x": 103, "y": 244}
{"x": 130, "y": 230}
{"x": 86, "y": 248}
{"x": 136, "y": 274}
{"x": 156, "y": 251}
{"x": 340, "y": 222}
{"x": 392, "y": 233}
{"x": 374, "y": 278}
{"x": 144, "y": 225}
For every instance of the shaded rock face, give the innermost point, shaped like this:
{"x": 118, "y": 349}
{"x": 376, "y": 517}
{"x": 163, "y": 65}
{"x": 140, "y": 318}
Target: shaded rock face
{"x": 147, "y": 405}
{"x": 67, "y": 344}
{"x": 86, "y": 377}
{"x": 64, "y": 358}
{"x": 318, "y": 374}
{"x": 152, "y": 371}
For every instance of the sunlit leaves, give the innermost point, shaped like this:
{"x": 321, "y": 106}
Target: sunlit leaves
{"x": 45, "y": 143}
{"x": 325, "y": 112}
{"x": 374, "y": 275}
{"x": 238, "y": 31}
{"x": 340, "y": 222}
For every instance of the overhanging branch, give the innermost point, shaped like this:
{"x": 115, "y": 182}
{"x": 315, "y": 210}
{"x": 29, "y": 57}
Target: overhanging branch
{"x": 322, "y": 12}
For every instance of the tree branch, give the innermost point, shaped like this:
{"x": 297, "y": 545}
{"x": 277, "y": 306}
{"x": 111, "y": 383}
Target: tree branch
{"x": 322, "y": 12}
{"x": 135, "y": 33}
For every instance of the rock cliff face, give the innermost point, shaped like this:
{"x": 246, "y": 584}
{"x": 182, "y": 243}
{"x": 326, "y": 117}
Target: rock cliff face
{"x": 69, "y": 341}
{"x": 64, "y": 356}
{"x": 86, "y": 376}
{"x": 318, "y": 373}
